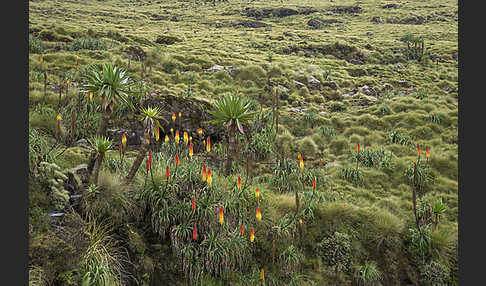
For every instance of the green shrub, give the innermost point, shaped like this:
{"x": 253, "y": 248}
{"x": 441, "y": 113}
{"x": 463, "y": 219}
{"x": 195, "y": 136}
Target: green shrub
{"x": 55, "y": 178}
{"x": 434, "y": 274}
{"x": 352, "y": 175}
{"x": 337, "y": 107}
{"x": 88, "y": 44}
{"x": 307, "y": 146}
{"x": 252, "y": 73}
{"x": 373, "y": 158}
{"x": 335, "y": 251}
{"x": 261, "y": 143}
{"x": 35, "y": 45}
{"x": 328, "y": 131}
{"x": 368, "y": 274}
{"x": 339, "y": 145}
{"x": 397, "y": 136}
{"x": 425, "y": 177}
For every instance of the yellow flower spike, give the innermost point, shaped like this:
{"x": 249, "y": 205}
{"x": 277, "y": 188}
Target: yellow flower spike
{"x": 208, "y": 145}
{"x": 67, "y": 81}
{"x": 41, "y": 59}
{"x": 301, "y": 221}
{"x": 180, "y": 114}
{"x": 258, "y": 214}
{"x": 90, "y": 95}
{"x": 172, "y": 132}
{"x": 262, "y": 274}
{"x": 200, "y": 131}
{"x": 191, "y": 151}
{"x": 157, "y": 135}
{"x": 59, "y": 117}
{"x": 204, "y": 175}
{"x": 257, "y": 193}
{"x": 252, "y": 235}
{"x": 186, "y": 137}
{"x": 177, "y": 137}
{"x": 173, "y": 116}
{"x": 190, "y": 138}
{"x": 166, "y": 138}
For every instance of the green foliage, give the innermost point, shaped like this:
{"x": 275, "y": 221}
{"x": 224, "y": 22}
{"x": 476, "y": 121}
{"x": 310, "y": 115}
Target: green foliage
{"x": 335, "y": 251}
{"x": 337, "y": 107}
{"x": 425, "y": 176}
{"x": 282, "y": 173}
{"x": 262, "y": 143}
{"x": 102, "y": 262}
{"x": 54, "y": 177}
{"x": 100, "y": 144}
{"x": 434, "y": 273}
{"x": 368, "y": 274}
{"x": 232, "y": 110}
{"x": 328, "y": 131}
{"x": 373, "y": 158}
{"x": 35, "y": 45}
{"x": 352, "y": 175}
{"x": 88, "y": 44}
{"x": 397, "y": 136}
{"x": 421, "y": 94}
{"x": 111, "y": 83}
{"x": 420, "y": 242}
{"x": 291, "y": 258}
{"x": 436, "y": 118}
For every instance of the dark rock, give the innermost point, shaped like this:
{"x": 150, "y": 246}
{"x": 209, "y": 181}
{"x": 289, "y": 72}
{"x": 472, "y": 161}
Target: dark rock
{"x": 315, "y": 23}
{"x": 404, "y": 83}
{"x": 313, "y": 83}
{"x": 249, "y": 24}
{"x": 346, "y": 9}
{"x": 376, "y": 20}
{"x": 390, "y": 6}
{"x": 370, "y": 91}
{"x": 330, "y": 84}
{"x": 167, "y": 40}
{"x": 83, "y": 143}
{"x": 298, "y": 84}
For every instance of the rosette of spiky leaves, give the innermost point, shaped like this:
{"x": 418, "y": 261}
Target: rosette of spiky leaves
{"x": 112, "y": 84}
{"x": 100, "y": 145}
{"x": 368, "y": 274}
{"x": 290, "y": 259}
{"x": 232, "y": 112}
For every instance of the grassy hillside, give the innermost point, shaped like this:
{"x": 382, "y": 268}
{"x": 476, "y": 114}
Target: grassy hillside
{"x": 381, "y": 74}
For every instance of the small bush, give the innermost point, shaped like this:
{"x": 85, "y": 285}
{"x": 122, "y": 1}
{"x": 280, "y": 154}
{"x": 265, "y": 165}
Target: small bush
{"x": 339, "y": 145}
{"x": 336, "y": 251}
{"x": 307, "y": 146}
{"x": 35, "y": 45}
{"x": 351, "y": 175}
{"x": 434, "y": 274}
{"x": 337, "y": 106}
{"x": 397, "y": 136}
{"x": 328, "y": 131}
{"x": 88, "y": 44}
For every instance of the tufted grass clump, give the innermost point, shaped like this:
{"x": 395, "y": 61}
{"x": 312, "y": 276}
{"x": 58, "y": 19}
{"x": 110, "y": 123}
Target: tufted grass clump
{"x": 397, "y": 136}
{"x": 35, "y": 45}
{"x": 373, "y": 158}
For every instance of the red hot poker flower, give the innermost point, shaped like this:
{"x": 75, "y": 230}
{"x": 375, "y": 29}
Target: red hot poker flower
{"x": 177, "y": 159}
{"x": 314, "y": 183}
{"x": 194, "y": 233}
{"x": 167, "y": 172}
{"x": 358, "y": 148}
{"x": 242, "y": 230}
{"x": 419, "y": 151}
{"x": 427, "y": 151}
{"x": 239, "y": 183}
{"x": 221, "y": 215}
{"x": 204, "y": 173}
{"x": 193, "y": 203}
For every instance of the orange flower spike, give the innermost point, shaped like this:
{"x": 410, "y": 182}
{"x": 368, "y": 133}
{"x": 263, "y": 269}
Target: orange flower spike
{"x": 252, "y": 235}
{"x": 167, "y": 172}
{"x": 149, "y": 161}
{"x": 120, "y": 148}
{"x": 186, "y": 137}
{"x": 208, "y": 145}
{"x": 177, "y": 159}
{"x": 221, "y": 215}
{"x": 257, "y": 193}
{"x": 191, "y": 150}
{"x": 258, "y": 214}
{"x": 194, "y": 233}
{"x": 166, "y": 138}
{"x": 41, "y": 59}
{"x": 239, "y": 183}
{"x": 177, "y": 137}
{"x": 193, "y": 203}
{"x": 204, "y": 173}
{"x": 262, "y": 274}
{"x": 173, "y": 116}
{"x": 157, "y": 135}
{"x": 210, "y": 178}
{"x": 358, "y": 148}
{"x": 419, "y": 151}
{"x": 301, "y": 161}
{"x": 427, "y": 151}
{"x": 242, "y": 230}
{"x": 314, "y": 185}
{"x": 124, "y": 140}
{"x": 199, "y": 131}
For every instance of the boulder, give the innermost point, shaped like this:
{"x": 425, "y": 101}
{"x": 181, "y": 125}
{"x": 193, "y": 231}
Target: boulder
{"x": 298, "y": 84}
{"x": 313, "y": 83}
{"x": 83, "y": 143}
{"x": 330, "y": 84}
{"x": 167, "y": 40}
